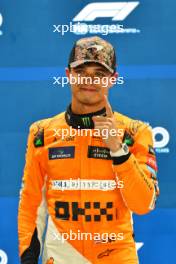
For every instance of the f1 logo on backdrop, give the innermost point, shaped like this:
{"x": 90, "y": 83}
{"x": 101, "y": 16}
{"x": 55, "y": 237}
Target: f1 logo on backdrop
{"x": 160, "y": 144}
{"x": 1, "y": 21}
{"x": 117, "y": 10}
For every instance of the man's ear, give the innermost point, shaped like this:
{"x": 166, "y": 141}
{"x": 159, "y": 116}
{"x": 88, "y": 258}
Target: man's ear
{"x": 67, "y": 71}
{"x": 116, "y": 74}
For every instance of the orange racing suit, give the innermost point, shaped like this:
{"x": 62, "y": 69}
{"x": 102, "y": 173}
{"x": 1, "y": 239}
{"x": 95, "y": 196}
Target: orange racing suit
{"x": 74, "y": 185}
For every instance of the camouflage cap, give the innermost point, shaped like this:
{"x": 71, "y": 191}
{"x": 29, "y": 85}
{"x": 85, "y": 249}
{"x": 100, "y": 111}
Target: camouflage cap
{"x": 93, "y": 49}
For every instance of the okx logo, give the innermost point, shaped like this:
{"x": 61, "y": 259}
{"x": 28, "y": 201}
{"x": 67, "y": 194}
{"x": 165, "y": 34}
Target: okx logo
{"x": 91, "y": 211}
{"x": 1, "y": 21}
{"x": 161, "y": 139}
{"x": 113, "y": 11}
{"x": 118, "y": 11}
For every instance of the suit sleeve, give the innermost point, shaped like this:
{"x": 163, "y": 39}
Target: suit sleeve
{"x": 138, "y": 172}
{"x": 32, "y": 208}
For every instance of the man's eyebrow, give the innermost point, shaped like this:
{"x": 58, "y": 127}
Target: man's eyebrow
{"x": 101, "y": 69}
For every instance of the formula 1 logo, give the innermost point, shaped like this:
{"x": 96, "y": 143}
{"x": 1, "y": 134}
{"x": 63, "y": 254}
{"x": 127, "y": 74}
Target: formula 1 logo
{"x": 1, "y": 21}
{"x": 117, "y": 10}
{"x": 164, "y": 138}
{"x": 3, "y": 257}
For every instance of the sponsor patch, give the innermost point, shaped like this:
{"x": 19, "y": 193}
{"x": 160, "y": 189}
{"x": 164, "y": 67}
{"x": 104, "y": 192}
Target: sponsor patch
{"x": 73, "y": 211}
{"x": 62, "y": 152}
{"x": 39, "y": 138}
{"x": 127, "y": 139}
{"x": 99, "y": 153}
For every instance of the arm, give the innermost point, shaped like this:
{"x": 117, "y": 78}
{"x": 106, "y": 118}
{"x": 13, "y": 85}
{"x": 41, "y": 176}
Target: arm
{"x": 32, "y": 209}
{"x": 138, "y": 172}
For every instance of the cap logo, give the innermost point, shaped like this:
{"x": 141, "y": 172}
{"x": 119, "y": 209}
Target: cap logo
{"x": 97, "y": 47}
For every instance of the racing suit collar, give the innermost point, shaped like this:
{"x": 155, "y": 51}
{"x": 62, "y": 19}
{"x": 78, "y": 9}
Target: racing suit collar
{"x": 83, "y": 120}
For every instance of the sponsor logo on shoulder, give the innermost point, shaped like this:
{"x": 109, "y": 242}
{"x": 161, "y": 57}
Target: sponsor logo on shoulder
{"x": 128, "y": 139}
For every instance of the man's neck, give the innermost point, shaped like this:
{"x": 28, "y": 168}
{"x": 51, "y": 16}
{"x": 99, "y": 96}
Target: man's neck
{"x": 79, "y": 108}
{"x": 82, "y": 120}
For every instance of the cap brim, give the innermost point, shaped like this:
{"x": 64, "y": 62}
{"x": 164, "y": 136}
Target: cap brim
{"x": 80, "y": 62}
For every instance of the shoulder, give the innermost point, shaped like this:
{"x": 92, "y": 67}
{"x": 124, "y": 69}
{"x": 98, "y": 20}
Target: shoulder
{"x": 132, "y": 126}
{"x": 39, "y": 129}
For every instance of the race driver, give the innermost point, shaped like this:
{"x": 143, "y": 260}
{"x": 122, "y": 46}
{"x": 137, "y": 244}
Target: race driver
{"x": 51, "y": 198}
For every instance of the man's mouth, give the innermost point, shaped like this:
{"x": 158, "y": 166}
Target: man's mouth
{"x": 88, "y": 89}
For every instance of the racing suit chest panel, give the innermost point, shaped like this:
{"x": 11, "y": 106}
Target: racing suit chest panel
{"x": 82, "y": 158}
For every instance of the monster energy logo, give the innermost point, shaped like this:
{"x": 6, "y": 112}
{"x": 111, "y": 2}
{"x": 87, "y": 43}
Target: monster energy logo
{"x": 86, "y": 121}
{"x": 38, "y": 142}
{"x": 128, "y": 139}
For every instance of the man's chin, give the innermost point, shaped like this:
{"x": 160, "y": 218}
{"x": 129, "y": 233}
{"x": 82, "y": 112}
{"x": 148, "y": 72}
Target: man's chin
{"x": 89, "y": 101}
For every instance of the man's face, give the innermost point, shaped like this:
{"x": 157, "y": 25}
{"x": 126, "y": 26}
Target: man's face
{"x": 92, "y": 83}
